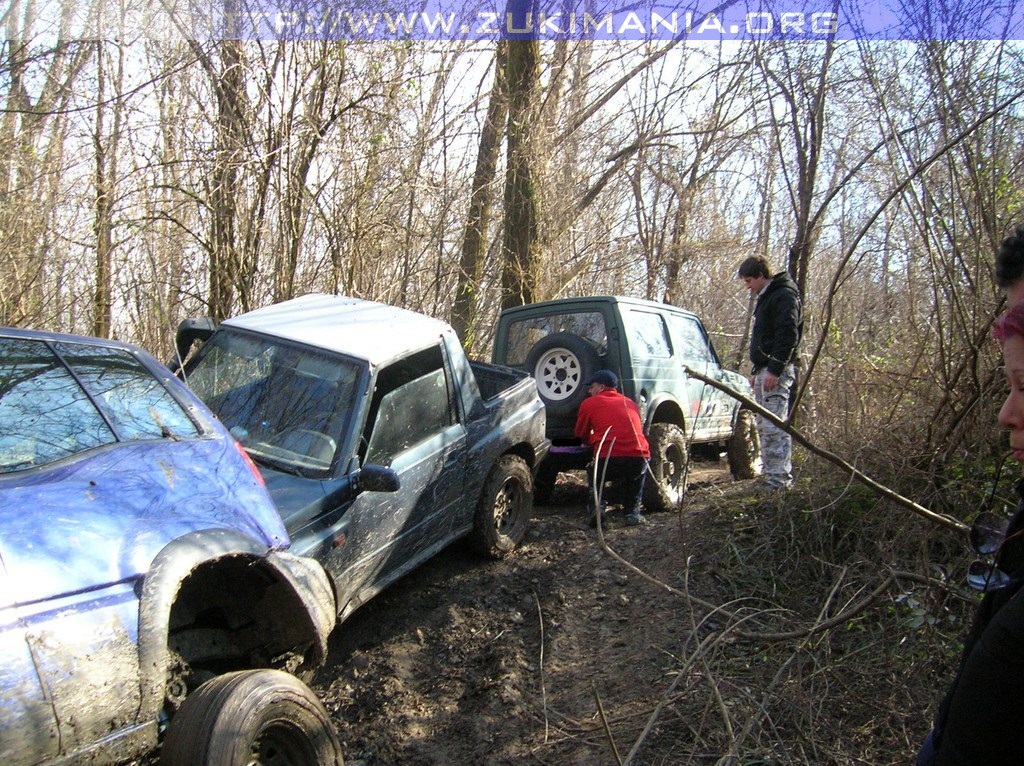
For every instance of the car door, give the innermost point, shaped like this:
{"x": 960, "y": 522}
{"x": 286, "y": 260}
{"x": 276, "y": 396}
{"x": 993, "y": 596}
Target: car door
{"x": 659, "y": 362}
{"x": 68, "y": 608}
{"x": 713, "y": 408}
{"x": 650, "y": 353}
{"x": 26, "y": 715}
{"x": 414, "y": 429}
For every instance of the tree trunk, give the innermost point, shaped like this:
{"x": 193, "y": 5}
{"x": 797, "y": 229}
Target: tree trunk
{"x": 224, "y": 259}
{"x": 105, "y": 174}
{"x": 518, "y": 279}
{"x": 474, "y": 239}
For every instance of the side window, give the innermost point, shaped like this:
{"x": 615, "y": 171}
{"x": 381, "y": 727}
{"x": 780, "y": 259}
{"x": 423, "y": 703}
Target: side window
{"x": 690, "y": 340}
{"x": 648, "y": 336}
{"x": 412, "y": 402}
{"x": 44, "y": 413}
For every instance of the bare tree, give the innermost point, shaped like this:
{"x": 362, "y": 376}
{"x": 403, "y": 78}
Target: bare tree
{"x": 38, "y": 90}
{"x": 474, "y": 240}
{"x": 520, "y": 252}
{"x": 106, "y": 146}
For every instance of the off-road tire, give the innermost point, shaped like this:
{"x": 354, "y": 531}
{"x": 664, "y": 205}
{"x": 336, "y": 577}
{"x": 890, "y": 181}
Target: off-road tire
{"x": 251, "y": 717}
{"x": 669, "y": 468}
{"x": 561, "y": 364}
{"x": 504, "y": 508}
{"x": 744, "y": 447}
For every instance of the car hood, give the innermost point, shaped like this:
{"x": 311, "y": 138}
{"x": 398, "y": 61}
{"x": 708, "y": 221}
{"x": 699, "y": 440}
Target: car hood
{"x": 738, "y": 383}
{"x": 103, "y": 517}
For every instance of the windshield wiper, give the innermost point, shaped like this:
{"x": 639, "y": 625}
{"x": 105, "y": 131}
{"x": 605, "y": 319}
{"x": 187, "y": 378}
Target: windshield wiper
{"x": 165, "y": 430}
{"x": 266, "y": 461}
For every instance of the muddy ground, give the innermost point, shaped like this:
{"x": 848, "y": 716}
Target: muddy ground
{"x": 557, "y": 655}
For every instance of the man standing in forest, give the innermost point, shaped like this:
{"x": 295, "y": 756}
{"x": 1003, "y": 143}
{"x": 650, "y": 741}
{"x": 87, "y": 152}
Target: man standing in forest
{"x": 778, "y": 325}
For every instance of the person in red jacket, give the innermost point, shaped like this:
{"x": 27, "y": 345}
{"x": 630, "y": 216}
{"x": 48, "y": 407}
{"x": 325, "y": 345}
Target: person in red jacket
{"x": 610, "y": 423}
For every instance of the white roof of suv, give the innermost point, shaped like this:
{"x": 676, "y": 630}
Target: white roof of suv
{"x": 372, "y": 331}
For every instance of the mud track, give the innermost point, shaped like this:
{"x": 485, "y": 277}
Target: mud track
{"x": 549, "y": 657}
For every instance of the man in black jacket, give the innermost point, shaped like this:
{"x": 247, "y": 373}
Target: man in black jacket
{"x": 778, "y": 324}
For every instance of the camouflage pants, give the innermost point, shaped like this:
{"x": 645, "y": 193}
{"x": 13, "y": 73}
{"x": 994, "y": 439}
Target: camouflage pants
{"x": 776, "y": 444}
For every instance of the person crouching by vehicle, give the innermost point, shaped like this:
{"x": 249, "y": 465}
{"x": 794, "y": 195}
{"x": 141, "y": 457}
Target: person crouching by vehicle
{"x": 979, "y": 720}
{"x": 610, "y": 423}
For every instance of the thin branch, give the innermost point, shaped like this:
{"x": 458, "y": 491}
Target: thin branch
{"x": 947, "y": 521}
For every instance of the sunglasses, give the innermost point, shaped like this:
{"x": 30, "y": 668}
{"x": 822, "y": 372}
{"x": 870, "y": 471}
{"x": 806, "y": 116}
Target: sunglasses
{"x": 988, "y": 532}
{"x": 987, "y": 535}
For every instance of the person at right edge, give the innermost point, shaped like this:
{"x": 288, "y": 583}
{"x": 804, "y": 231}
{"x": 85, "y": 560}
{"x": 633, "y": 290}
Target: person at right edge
{"x": 778, "y": 325}
{"x": 978, "y": 722}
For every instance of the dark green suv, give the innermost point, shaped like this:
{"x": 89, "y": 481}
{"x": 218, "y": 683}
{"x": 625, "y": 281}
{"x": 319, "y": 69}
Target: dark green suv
{"x": 648, "y": 345}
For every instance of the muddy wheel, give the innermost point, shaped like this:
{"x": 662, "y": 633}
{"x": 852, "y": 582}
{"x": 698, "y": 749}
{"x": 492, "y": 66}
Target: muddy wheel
{"x": 666, "y": 481}
{"x": 251, "y": 717}
{"x": 744, "y": 447}
{"x": 504, "y": 508}
{"x": 561, "y": 363}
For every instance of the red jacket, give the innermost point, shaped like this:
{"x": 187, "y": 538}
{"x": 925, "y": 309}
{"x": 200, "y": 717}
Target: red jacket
{"x": 610, "y": 409}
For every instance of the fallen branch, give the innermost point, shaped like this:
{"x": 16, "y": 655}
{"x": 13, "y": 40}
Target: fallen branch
{"x": 543, "y": 689}
{"x": 947, "y": 521}
{"x": 607, "y": 728}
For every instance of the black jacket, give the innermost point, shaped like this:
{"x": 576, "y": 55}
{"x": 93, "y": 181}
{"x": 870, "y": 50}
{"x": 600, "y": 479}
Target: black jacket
{"x": 778, "y": 325}
{"x": 979, "y": 721}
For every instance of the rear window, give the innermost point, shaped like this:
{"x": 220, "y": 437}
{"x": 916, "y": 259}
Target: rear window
{"x": 60, "y": 399}
{"x": 524, "y": 333}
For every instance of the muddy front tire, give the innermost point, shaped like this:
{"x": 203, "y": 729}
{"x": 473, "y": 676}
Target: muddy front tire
{"x": 669, "y": 468}
{"x": 744, "y": 447}
{"x": 251, "y": 717}
{"x": 504, "y": 508}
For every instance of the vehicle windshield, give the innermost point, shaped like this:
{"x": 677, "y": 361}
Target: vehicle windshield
{"x": 289, "y": 406}
{"x": 58, "y": 399}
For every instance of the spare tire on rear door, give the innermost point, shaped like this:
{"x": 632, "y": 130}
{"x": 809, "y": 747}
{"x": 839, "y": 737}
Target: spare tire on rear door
{"x": 561, "y": 363}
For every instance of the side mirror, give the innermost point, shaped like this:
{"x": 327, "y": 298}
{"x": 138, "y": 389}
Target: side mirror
{"x": 189, "y": 331}
{"x": 369, "y": 478}
{"x": 375, "y": 478}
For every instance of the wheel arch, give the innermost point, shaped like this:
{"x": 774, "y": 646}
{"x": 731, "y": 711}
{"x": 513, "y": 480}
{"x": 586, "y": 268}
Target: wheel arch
{"x": 664, "y": 408}
{"x": 223, "y": 601}
{"x": 740, "y": 407}
{"x": 526, "y": 452}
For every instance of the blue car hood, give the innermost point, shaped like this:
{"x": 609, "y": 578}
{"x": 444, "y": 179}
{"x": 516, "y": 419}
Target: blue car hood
{"x": 103, "y": 517}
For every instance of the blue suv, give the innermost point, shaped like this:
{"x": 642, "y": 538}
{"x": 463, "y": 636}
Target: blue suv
{"x": 145, "y": 585}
